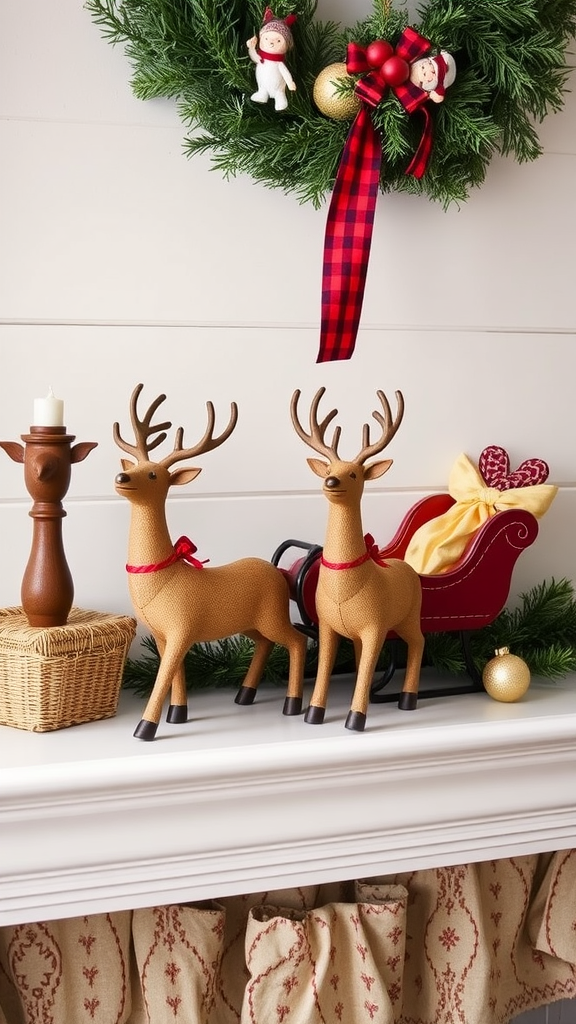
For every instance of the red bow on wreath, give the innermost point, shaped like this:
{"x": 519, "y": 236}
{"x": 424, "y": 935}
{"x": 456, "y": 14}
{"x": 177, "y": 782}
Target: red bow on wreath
{"x": 351, "y": 214}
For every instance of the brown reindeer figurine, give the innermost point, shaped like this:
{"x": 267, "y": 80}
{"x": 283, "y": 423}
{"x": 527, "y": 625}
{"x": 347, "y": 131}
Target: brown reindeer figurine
{"x": 357, "y": 597}
{"x": 179, "y": 600}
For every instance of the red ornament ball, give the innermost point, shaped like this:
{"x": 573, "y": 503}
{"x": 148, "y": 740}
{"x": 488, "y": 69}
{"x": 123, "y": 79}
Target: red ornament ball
{"x": 378, "y": 52}
{"x": 395, "y": 70}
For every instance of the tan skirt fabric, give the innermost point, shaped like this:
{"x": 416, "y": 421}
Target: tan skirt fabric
{"x": 474, "y": 944}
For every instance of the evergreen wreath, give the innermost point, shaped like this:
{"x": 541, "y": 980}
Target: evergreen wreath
{"x": 512, "y": 71}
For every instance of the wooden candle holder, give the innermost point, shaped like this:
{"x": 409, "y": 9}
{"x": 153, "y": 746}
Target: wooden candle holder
{"x": 47, "y": 588}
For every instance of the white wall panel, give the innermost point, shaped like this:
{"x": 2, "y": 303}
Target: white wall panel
{"x": 57, "y": 68}
{"x": 463, "y": 390}
{"x": 121, "y": 261}
{"x": 113, "y": 223}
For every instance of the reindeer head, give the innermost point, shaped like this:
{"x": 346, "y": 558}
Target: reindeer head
{"x": 146, "y": 482}
{"x": 344, "y": 481}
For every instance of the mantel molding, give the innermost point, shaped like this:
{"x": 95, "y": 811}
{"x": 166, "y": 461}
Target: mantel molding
{"x": 242, "y": 799}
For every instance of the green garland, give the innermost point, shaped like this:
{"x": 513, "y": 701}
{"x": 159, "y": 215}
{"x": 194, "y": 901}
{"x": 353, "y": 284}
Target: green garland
{"x": 541, "y": 630}
{"x": 511, "y": 71}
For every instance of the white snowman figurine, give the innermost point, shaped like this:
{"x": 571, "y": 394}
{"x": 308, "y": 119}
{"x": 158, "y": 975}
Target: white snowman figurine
{"x": 267, "y": 52}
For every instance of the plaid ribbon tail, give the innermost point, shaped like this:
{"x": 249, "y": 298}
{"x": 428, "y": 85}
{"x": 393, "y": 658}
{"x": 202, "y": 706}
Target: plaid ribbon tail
{"x": 348, "y": 239}
{"x": 420, "y": 159}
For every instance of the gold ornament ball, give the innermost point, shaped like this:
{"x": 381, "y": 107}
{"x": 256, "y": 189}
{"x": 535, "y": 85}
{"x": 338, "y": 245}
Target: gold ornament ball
{"x": 506, "y": 677}
{"x": 331, "y": 103}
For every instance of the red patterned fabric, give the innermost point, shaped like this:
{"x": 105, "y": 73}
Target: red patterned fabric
{"x": 72, "y": 972}
{"x": 350, "y": 222}
{"x": 494, "y": 466}
{"x": 348, "y": 239}
{"x": 469, "y": 944}
{"x": 329, "y": 964}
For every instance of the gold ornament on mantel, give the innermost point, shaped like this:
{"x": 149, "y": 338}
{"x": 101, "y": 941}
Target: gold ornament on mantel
{"x": 506, "y": 677}
{"x": 334, "y": 104}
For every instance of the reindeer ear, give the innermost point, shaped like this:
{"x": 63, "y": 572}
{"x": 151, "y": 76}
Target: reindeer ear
{"x": 318, "y": 467}
{"x": 127, "y": 464}
{"x": 376, "y": 469}
{"x": 183, "y": 476}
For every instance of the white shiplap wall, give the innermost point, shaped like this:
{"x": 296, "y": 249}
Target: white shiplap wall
{"x": 122, "y": 261}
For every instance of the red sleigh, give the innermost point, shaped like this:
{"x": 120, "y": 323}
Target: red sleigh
{"x": 466, "y": 597}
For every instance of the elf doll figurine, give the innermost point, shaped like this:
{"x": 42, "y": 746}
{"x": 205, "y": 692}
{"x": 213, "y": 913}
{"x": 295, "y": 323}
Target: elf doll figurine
{"x": 267, "y": 52}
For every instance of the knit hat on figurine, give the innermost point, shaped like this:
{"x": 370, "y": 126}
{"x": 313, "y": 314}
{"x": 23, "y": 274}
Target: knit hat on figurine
{"x": 446, "y": 68}
{"x": 279, "y": 25}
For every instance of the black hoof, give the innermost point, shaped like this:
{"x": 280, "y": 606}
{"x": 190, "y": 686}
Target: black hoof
{"x": 314, "y": 715}
{"x": 177, "y": 714}
{"x": 245, "y": 695}
{"x": 356, "y": 721}
{"x": 292, "y": 706}
{"x": 408, "y": 701}
{"x": 145, "y": 730}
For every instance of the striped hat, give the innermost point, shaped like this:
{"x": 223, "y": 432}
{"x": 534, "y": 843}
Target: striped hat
{"x": 280, "y": 25}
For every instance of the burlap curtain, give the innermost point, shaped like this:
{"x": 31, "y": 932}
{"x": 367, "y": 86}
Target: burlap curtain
{"x": 476, "y": 944}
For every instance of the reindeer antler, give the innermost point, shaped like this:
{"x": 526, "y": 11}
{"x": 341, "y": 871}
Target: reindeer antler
{"x": 389, "y": 428}
{"x": 207, "y": 443}
{"x": 315, "y": 439}
{"x": 142, "y": 428}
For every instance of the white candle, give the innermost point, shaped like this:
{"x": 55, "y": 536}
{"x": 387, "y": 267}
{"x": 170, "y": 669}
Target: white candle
{"x": 49, "y": 411}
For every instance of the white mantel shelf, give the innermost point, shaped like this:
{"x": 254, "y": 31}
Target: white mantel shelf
{"x": 242, "y": 799}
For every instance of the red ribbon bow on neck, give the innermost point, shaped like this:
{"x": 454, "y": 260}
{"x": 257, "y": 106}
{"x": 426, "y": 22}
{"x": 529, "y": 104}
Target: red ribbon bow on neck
{"x": 372, "y": 552}
{"x": 350, "y": 221}
{"x": 183, "y": 551}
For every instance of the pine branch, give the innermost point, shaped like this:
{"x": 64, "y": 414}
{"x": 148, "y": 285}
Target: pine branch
{"x": 541, "y": 630}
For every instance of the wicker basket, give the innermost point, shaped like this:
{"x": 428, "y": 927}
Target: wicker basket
{"x": 54, "y": 677}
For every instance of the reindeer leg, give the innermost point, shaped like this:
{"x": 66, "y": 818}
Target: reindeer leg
{"x": 328, "y": 641}
{"x": 370, "y": 648}
{"x": 169, "y": 665}
{"x": 297, "y": 648}
{"x": 262, "y": 648}
{"x": 414, "y": 638}
{"x": 178, "y": 708}
{"x": 296, "y": 644}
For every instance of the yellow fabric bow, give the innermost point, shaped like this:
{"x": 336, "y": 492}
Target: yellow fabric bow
{"x": 438, "y": 544}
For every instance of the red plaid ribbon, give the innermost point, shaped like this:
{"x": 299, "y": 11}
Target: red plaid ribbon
{"x": 350, "y": 221}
